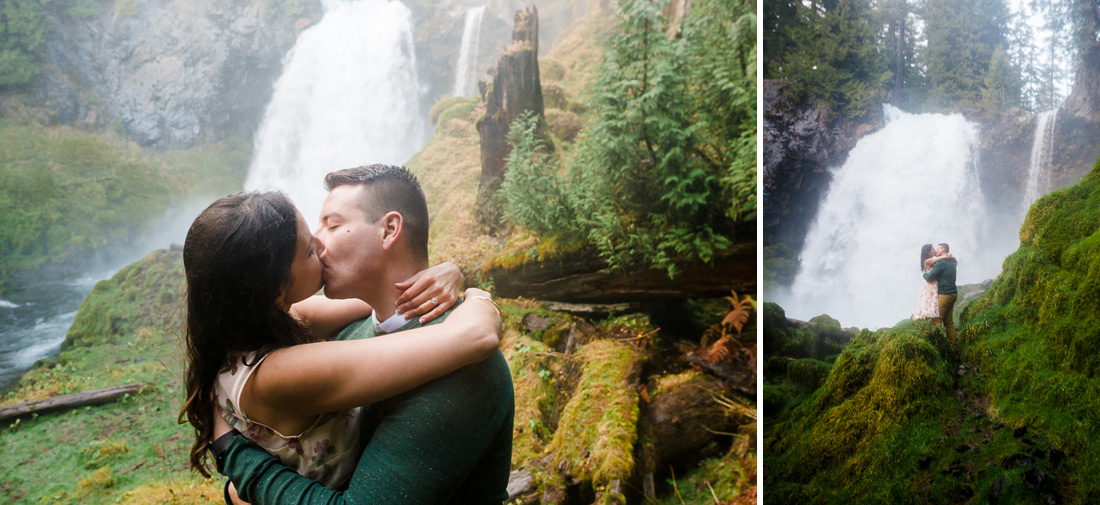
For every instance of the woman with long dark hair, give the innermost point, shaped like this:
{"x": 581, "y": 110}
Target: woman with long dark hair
{"x": 252, "y": 270}
{"x": 927, "y": 304}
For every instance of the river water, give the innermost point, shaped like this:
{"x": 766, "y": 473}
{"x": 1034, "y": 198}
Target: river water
{"x": 35, "y": 314}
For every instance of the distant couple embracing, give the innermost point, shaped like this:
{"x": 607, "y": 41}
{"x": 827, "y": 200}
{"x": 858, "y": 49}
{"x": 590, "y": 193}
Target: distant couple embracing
{"x": 352, "y": 396}
{"x": 937, "y": 298}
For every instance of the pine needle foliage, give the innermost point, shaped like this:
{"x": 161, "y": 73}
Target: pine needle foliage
{"x": 532, "y": 188}
{"x": 666, "y": 168}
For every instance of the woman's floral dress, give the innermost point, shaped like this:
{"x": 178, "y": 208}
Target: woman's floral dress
{"x": 928, "y": 306}
{"x": 326, "y": 452}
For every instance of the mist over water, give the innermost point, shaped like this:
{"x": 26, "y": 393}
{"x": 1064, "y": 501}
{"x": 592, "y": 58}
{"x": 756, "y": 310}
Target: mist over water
{"x": 349, "y": 95}
{"x": 37, "y": 310}
{"x": 466, "y": 71}
{"x": 911, "y": 183}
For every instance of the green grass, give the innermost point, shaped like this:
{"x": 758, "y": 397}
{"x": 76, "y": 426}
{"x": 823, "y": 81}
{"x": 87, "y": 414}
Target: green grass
{"x": 128, "y": 330}
{"x": 66, "y": 193}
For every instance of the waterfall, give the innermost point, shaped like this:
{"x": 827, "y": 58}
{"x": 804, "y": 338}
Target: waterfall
{"x": 466, "y": 70}
{"x": 349, "y": 95}
{"x": 913, "y": 182}
{"x": 1038, "y": 177}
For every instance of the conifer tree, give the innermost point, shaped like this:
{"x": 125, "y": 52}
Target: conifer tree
{"x": 834, "y": 55}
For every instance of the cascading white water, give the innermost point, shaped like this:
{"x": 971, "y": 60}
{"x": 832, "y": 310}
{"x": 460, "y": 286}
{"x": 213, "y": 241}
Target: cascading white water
{"x": 1038, "y": 178}
{"x": 913, "y": 182}
{"x": 466, "y": 69}
{"x": 348, "y": 96}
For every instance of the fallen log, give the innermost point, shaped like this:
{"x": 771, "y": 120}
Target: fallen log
{"x": 582, "y": 277}
{"x": 70, "y": 401}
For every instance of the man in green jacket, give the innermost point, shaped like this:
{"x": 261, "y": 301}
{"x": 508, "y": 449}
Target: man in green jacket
{"x": 446, "y": 442}
{"x": 943, "y": 272}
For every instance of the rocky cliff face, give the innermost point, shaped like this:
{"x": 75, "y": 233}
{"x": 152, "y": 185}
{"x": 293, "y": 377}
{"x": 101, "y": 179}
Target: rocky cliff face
{"x": 175, "y": 73}
{"x": 801, "y": 141}
{"x": 169, "y": 73}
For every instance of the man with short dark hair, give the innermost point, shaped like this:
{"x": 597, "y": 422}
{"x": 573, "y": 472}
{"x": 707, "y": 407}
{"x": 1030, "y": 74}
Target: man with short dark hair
{"x": 448, "y": 441}
{"x": 944, "y": 272}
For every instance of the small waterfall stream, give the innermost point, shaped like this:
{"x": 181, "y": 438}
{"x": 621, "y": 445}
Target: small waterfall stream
{"x": 466, "y": 69}
{"x": 349, "y": 95}
{"x": 1038, "y": 179}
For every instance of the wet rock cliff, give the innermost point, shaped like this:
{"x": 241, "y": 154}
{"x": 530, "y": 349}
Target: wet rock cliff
{"x": 169, "y": 72}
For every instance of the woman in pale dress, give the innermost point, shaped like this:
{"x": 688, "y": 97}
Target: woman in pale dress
{"x": 252, "y": 270}
{"x": 928, "y": 306}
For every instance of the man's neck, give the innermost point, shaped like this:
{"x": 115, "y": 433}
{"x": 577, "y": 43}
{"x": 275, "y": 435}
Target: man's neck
{"x": 384, "y": 294}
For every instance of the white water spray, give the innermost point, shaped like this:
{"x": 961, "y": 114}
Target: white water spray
{"x": 1042, "y": 150}
{"x": 348, "y": 96}
{"x": 466, "y": 69}
{"x": 913, "y": 182}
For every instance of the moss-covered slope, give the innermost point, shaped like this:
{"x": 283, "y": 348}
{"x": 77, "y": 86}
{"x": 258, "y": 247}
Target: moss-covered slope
{"x": 1008, "y": 417}
{"x": 1036, "y": 331}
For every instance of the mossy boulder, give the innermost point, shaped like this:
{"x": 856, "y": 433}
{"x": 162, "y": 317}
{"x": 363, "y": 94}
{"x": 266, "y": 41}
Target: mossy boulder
{"x": 879, "y": 405}
{"x": 145, "y": 293}
{"x": 819, "y": 338}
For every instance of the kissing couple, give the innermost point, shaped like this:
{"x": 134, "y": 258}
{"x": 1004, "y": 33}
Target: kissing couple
{"x": 937, "y": 298}
{"x": 386, "y": 389}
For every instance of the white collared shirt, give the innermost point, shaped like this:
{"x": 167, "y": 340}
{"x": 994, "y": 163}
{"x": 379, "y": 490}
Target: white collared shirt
{"x": 390, "y": 325}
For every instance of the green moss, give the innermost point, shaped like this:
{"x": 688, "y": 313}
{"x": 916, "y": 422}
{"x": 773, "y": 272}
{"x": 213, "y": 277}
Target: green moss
{"x": 97, "y": 453}
{"x": 822, "y": 338}
{"x": 1034, "y": 331}
{"x": 464, "y": 106}
{"x": 142, "y": 293}
{"x": 774, "y": 400}
{"x": 882, "y": 404}
{"x": 808, "y": 373}
{"x": 721, "y": 479}
{"x": 596, "y": 434}
{"x": 534, "y": 378}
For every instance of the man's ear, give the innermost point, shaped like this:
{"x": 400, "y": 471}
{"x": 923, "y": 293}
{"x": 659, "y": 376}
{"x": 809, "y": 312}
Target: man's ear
{"x": 392, "y": 226}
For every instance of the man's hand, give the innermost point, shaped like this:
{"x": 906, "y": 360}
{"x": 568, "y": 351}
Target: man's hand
{"x": 234, "y": 499}
{"x": 430, "y": 293}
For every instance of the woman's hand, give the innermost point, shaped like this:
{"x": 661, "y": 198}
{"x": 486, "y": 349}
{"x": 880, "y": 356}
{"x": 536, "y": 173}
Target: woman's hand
{"x": 478, "y": 319}
{"x": 430, "y": 293}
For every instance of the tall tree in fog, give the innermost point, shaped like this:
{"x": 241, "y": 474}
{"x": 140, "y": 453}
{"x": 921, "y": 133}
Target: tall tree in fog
{"x": 900, "y": 42}
{"x": 962, "y": 37}
{"x": 830, "y": 52}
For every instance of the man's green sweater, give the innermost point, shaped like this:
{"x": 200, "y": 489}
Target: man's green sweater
{"x": 447, "y": 441}
{"x": 944, "y": 274}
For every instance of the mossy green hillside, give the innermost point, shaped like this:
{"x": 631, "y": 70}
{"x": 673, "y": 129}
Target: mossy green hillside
{"x": 877, "y": 413}
{"x": 67, "y": 193}
{"x": 897, "y": 419}
{"x": 1034, "y": 332}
